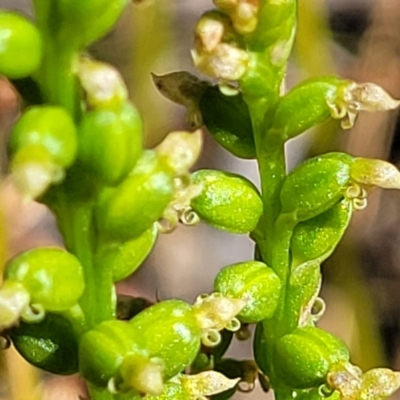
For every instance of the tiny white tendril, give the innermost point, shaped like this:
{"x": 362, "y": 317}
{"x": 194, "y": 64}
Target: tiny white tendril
{"x": 360, "y": 204}
{"x": 325, "y": 391}
{"x": 33, "y": 313}
{"x": 318, "y": 309}
{"x": 211, "y": 338}
{"x": 233, "y": 325}
{"x": 189, "y": 217}
{"x": 112, "y": 386}
{"x": 354, "y": 191}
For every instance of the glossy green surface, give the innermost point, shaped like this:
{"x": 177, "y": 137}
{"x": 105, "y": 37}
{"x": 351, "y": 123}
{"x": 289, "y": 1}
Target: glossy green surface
{"x": 110, "y": 143}
{"x": 303, "y": 357}
{"x": 317, "y": 237}
{"x": 314, "y": 186}
{"x": 103, "y": 349}
{"x": 229, "y": 202}
{"x": 131, "y": 208}
{"x": 168, "y": 330}
{"x": 228, "y": 120}
{"x": 50, "y": 344}
{"x": 254, "y": 282}
{"x": 124, "y": 258}
{"x": 305, "y": 106}
{"x": 48, "y": 126}
{"x": 20, "y": 46}
{"x": 53, "y": 277}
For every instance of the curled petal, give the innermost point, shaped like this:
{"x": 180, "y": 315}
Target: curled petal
{"x": 216, "y": 312}
{"x": 371, "y": 172}
{"x": 102, "y": 83}
{"x": 379, "y": 383}
{"x": 181, "y": 150}
{"x": 207, "y": 383}
{"x": 14, "y": 301}
{"x": 183, "y": 88}
{"x": 371, "y": 97}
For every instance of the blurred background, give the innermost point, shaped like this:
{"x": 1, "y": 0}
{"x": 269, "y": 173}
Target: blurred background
{"x": 359, "y": 40}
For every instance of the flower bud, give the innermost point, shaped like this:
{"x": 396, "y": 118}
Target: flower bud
{"x": 315, "y": 186}
{"x": 132, "y": 207}
{"x": 228, "y": 201}
{"x": 124, "y": 258}
{"x": 316, "y": 238}
{"x": 253, "y": 282}
{"x": 311, "y": 352}
{"x": 50, "y": 127}
{"x": 103, "y": 349}
{"x": 21, "y": 46}
{"x": 44, "y": 273}
{"x": 110, "y": 142}
{"x": 305, "y": 106}
{"x": 169, "y": 332}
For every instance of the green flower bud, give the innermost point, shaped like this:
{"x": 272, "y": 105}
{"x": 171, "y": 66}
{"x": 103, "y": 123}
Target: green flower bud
{"x": 103, "y": 349}
{"x": 21, "y": 46}
{"x": 50, "y": 344}
{"x": 169, "y": 332}
{"x": 228, "y": 120}
{"x": 128, "y": 210}
{"x": 48, "y": 126}
{"x": 302, "y": 358}
{"x": 52, "y": 277}
{"x": 305, "y": 284}
{"x": 110, "y": 142}
{"x": 317, "y": 237}
{"x": 253, "y": 282}
{"x": 124, "y": 258}
{"x": 305, "y": 106}
{"x": 315, "y": 186}
{"x": 94, "y": 17}
{"x": 229, "y": 202}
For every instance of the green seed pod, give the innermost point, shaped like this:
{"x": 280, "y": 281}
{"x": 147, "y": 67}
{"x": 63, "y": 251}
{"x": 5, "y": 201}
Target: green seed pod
{"x": 21, "y": 46}
{"x": 50, "y": 344}
{"x": 305, "y": 106}
{"x": 254, "y": 282}
{"x": 168, "y": 331}
{"x": 229, "y": 202}
{"x": 103, "y": 349}
{"x": 110, "y": 143}
{"x": 302, "y": 358}
{"x": 317, "y": 237}
{"x": 227, "y": 118}
{"x": 48, "y": 126}
{"x": 124, "y": 258}
{"x": 315, "y": 186}
{"x": 53, "y": 277}
{"x": 128, "y": 210}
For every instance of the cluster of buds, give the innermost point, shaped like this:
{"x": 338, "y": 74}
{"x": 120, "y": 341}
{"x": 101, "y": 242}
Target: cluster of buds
{"x": 218, "y": 50}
